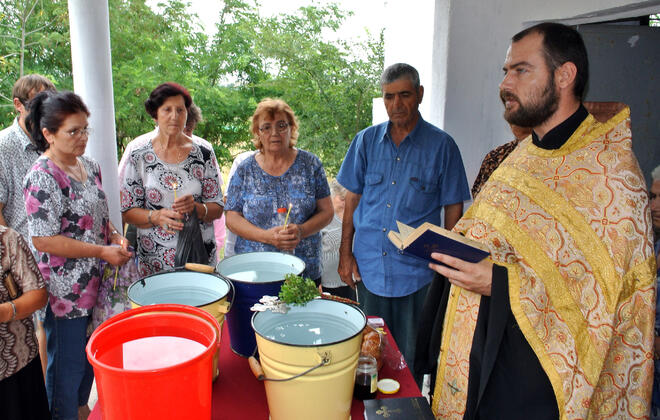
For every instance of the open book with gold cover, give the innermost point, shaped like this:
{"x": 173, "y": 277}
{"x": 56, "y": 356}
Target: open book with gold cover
{"x": 420, "y": 242}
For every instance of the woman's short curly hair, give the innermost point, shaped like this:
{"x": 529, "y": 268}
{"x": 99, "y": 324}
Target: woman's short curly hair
{"x": 160, "y": 95}
{"x": 269, "y": 107}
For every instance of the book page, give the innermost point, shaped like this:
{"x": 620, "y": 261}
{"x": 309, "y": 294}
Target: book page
{"x": 404, "y": 230}
{"x": 395, "y": 239}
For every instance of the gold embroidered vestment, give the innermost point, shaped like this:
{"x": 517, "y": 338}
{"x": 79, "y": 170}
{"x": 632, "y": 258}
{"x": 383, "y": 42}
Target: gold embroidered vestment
{"x": 573, "y": 228}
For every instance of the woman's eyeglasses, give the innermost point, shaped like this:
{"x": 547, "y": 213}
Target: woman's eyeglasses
{"x": 79, "y": 132}
{"x": 279, "y": 126}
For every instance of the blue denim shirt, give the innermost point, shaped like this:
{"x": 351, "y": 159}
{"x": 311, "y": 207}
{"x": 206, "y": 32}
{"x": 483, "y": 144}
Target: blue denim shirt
{"x": 409, "y": 183}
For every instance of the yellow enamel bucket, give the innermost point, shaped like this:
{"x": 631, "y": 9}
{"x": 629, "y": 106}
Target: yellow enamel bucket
{"x": 207, "y": 291}
{"x": 309, "y": 356}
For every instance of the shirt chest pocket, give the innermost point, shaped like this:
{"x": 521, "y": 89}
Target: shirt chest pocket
{"x": 373, "y": 183}
{"x": 420, "y": 195}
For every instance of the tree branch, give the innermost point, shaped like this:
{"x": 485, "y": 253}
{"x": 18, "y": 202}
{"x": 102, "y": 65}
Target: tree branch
{"x": 36, "y": 30}
{"x": 31, "y": 10}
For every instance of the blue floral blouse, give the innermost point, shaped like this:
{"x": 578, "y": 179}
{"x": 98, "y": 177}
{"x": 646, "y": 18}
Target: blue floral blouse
{"x": 258, "y": 195}
{"x": 59, "y": 205}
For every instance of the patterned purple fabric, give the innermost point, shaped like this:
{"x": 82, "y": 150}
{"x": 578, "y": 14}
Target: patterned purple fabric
{"x": 59, "y": 205}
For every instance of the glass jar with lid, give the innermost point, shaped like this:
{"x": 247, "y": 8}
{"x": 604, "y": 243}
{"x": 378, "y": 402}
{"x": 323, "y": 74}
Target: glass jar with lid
{"x": 366, "y": 378}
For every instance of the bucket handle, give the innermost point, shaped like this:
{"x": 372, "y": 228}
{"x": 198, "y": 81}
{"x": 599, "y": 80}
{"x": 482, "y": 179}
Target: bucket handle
{"x": 200, "y": 268}
{"x": 203, "y": 268}
{"x": 258, "y": 372}
{"x": 224, "y": 307}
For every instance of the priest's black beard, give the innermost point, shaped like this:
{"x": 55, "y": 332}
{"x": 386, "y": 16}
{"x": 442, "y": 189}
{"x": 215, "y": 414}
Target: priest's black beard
{"x": 538, "y": 111}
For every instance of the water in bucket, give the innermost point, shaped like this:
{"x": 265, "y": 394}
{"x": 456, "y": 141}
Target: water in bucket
{"x": 307, "y": 329}
{"x": 158, "y": 352}
{"x": 179, "y": 287}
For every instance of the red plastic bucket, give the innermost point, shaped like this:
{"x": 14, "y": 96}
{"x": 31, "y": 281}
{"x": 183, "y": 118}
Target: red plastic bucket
{"x": 182, "y": 390}
{"x": 171, "y": 307}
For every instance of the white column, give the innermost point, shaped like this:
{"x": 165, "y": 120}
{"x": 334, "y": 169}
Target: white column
{"x": 409, "y": 39}
{"x": 92, "y": 80}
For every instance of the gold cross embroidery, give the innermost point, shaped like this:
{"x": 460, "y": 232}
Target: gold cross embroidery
{"x": 386, "y": 412}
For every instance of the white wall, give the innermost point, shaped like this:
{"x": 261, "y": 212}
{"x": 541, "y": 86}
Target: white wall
{"x": 409, "y": 39}
{"x": 470, "y": 41}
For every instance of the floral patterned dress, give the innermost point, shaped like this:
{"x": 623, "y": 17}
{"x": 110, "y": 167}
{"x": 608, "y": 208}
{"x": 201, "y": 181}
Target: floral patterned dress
{"x": 149, "y": 183}
{"x": 59, "y": 205}
{"x": 257, "y": 195}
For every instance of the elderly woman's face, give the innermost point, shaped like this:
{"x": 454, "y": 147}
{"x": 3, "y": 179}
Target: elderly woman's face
{"x": 274, "y": 132}
{"x": 338, "y": 204}
{"x": 171, "y": 116}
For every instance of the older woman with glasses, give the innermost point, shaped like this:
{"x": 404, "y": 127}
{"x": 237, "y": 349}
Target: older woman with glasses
{"x": 279, "y": 176}
{"x": 70, "y": 228}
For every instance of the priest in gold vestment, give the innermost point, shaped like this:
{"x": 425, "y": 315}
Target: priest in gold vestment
{"x": 558, "y": 322}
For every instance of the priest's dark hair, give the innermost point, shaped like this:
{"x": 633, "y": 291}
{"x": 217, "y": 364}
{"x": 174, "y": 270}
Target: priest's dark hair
{"x": 49, "y": 109}
{"x": 562, "y": 44}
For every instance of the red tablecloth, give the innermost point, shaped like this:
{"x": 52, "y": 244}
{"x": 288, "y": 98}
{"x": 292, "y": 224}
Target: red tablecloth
{"x": 238, "y": 395}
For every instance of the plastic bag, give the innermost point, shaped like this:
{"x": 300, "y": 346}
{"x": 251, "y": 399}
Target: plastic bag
{"x": 388, "y": 353}
{"x": 190, "y": 245}
{"x": 113, "y": 295}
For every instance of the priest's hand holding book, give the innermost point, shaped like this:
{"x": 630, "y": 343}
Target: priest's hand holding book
{"x": 461, "y": 260}
{"x": 475, "y": 277}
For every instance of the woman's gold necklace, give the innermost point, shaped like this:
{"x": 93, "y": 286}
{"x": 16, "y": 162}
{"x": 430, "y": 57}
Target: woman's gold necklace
{"x": 81, "y": 169}
{"x": 163, "y": 150}
{"x": 69, "y": 170}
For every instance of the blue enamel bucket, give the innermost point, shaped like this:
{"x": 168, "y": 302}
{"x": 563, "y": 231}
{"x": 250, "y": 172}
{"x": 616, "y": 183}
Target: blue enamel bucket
{"x": 253, "y": 274}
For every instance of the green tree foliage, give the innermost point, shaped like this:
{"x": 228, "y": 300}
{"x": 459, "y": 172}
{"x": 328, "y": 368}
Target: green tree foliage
{"x": 330, "y": 84}
{"x": 34, "y": 38}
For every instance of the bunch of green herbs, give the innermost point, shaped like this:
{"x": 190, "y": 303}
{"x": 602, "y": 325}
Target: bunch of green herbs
{"x": 297, "y": 290}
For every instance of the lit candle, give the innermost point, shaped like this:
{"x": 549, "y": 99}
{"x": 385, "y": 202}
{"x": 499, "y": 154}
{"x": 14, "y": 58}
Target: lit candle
{"x": 286, "y": 219}
{"x": 174, "y": 185}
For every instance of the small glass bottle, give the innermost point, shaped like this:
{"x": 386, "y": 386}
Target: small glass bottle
{"x": 366, "y": 378}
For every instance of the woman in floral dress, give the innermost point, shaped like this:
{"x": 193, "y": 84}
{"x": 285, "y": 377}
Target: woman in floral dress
{"x": 278, "y": 176}
{"x": 22, "y": 292}
{"x": 166, "y": 177}
{"x": 71, "y": 231}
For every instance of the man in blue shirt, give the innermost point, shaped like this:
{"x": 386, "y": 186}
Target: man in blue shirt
{"x": 407, "y": 170}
